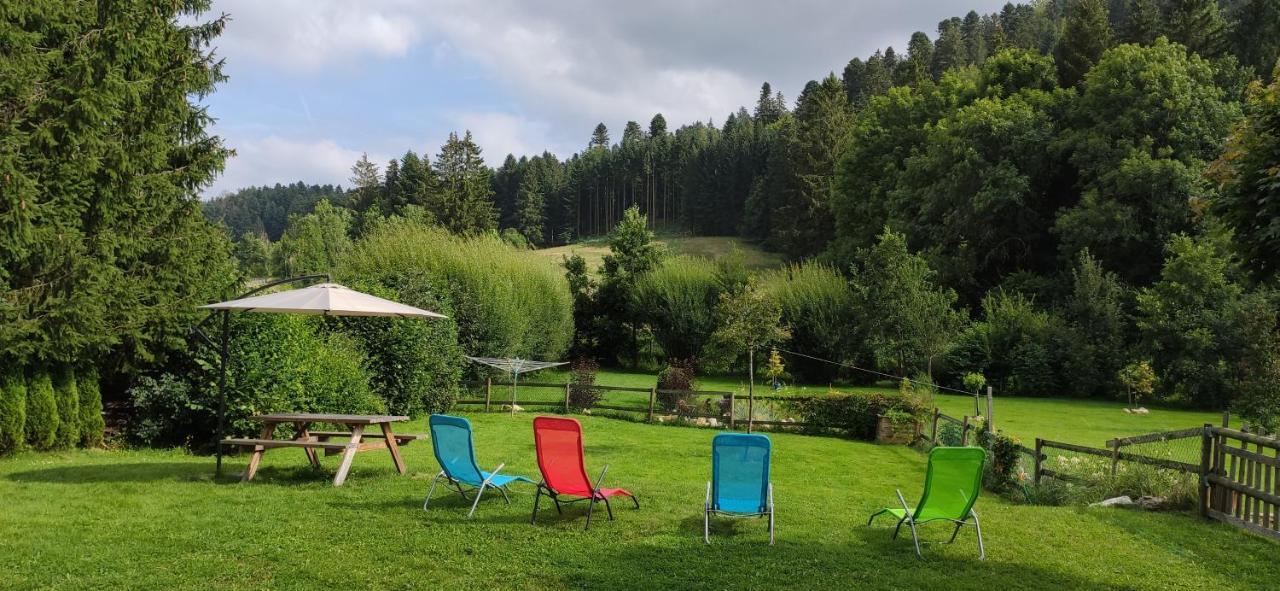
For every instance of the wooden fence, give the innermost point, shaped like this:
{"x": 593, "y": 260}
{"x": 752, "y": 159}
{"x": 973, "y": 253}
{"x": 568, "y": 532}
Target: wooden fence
{"x": 1239, "y": 485}
{"x": 1238, "y": 471}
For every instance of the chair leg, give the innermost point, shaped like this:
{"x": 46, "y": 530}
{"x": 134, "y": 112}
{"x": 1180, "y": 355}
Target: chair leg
{"x": 770, "y": 526}
{"x": 955, "y": 532}
{"x": 503, "y": 490}
{"x": 479, "y": 493}
{"x": 982, "y": 552}
{"x": 591, "y": 505}
{"x": 706, "y": 525}
{"x": 536, "y": 497}
{"x": 915, "y": 537}
{"x": 557, "y": 501}
{"x": 608, "y": 508}
{"x": 898, "y": 528}
{"x": 431, "y": 490}
{"x": 636, "y": 501}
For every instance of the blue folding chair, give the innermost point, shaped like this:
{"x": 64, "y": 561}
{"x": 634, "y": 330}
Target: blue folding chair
{"x": 451, "y": 440}
{"x": 739, "y": 484}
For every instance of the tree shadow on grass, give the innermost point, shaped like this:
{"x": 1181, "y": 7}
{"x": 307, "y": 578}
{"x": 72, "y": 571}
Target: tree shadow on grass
{"x": 748, "y": 562}
{"x": 142, "y": 472}
{"x": 1218, "y": 548}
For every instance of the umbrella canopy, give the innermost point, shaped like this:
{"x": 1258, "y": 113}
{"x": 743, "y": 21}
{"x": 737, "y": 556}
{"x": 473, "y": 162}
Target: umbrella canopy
{"x": 324, "y": 298}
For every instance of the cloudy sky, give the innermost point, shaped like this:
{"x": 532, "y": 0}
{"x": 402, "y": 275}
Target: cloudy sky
{"x": 313, "y": 83}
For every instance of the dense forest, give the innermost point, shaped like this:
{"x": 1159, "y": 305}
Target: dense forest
{"x": 1049, "y": 196}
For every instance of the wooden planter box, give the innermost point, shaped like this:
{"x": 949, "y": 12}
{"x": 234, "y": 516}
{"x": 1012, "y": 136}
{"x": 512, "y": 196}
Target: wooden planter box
{"x": 896, "y": 433}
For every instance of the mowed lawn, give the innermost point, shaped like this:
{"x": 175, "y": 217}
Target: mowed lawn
{"x": 1083, "y": 422}
{"x": 156, "y": 519}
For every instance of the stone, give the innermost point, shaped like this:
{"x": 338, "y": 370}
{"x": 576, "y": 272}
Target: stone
{"x": 1150, "y": 503}
{"x": 1123, "y": 501}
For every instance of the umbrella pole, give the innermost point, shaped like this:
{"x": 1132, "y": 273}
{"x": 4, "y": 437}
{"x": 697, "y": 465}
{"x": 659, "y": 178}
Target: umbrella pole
{"x": 222, "y": 384}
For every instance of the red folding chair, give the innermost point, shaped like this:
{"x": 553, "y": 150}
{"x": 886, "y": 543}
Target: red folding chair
{"x": 559, "y": 445}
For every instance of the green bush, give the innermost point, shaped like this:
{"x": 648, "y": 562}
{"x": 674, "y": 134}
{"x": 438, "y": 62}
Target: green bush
{"x": 92, "y": 425}
{"x": 817, "y": 304}
{"x": 42, "y": 412}
{"x": 853, "y": 415}
{"x": 13, "y": 411}
{"x": 678, "y": 299}
{"x": 279, "y": 362}
{"x": 1001, "y": 468}
{"x": 413, "y": 364}
{"x": 67, "y": 396}
{"x": 507, "y": 303}
{"x": 1021, "y": 350}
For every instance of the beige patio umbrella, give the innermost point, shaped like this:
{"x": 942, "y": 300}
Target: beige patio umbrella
{"x": 329, "y": 299}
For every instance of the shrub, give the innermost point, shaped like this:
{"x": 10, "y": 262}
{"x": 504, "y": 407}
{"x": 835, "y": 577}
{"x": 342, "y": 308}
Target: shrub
{"x": 950, "y": 434}
{"x": 279, "y": 362}
{"x": 853, "y": 415}
{"x": 817, "y": 304}
{"x": 67, "y": 396}
{"x": 42, "y": 412}
{"x": 1001, "y": 468}
{"x": 677, "y": 299}
{"x": 506, "y": 303}
{"x": 13, "y": 411}
{"x": 676, "y": 383}
{"x": 92, "y": 425}
{"x": 413, "y": 364}
{"x": 583, "y": 393}
{"x": 1020, "y": 350}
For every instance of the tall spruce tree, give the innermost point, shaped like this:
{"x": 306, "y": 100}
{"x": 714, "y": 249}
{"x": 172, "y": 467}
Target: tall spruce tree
{"x": 1142, "y": 22}
{"x": 466, "y": 203}
{"x": 105, "y": 147}
{"x": 1085, "y": 35}
{"x": 1198, "y": 24}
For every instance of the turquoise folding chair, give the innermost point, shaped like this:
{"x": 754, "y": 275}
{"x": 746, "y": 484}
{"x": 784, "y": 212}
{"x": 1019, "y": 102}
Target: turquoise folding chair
{"x": 454, "y": 449}
{"x": 739, "y": 484}
{"x": 951, "y": 486}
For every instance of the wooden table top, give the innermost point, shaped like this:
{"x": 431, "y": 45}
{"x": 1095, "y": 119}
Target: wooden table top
{"x": 292, "y": 417}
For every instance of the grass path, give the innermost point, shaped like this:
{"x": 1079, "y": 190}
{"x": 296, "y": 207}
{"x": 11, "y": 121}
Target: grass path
{"x": 155, "y": 519}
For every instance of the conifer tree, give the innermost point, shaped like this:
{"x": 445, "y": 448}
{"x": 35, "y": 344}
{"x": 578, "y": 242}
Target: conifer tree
{"x": 67, "y": 396}
{"x": 949, "y": 51}
{"x": 1198, "y": 24}
{"x": 975, "y": 39}
{"x": 1085, "y": 35}
{"x": 466, "y": 203}
{"x": 42, "y": 412}
{"x": 599, "y": 137}
{"x": 92, "y": 424}
{"x": 1142, "y": 22}
{"x": 13, "y": 411}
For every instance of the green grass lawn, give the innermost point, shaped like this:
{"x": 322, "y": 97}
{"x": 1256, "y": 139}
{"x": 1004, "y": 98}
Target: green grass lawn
{"x": 1084, "y": 422}
{"x": 708, "y": 247}
{"x": 156, "y": 519}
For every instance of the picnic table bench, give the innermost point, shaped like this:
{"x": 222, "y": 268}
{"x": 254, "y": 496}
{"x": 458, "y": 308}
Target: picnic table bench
{"x": 312, "y": 441}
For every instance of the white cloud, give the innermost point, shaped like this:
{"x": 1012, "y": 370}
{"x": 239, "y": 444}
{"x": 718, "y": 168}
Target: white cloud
{"x": 310, "y": 34}
{"x": 499, "y": 134}
{"x": 274, "y": 159}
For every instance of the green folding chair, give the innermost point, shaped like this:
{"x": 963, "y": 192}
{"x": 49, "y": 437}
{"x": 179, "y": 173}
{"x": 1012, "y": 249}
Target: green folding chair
{"x": 951, "y": 487}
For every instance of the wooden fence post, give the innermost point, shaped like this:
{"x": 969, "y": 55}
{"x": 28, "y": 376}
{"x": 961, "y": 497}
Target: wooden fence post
{"x": 1206, "y": 449}
{"x": 1115, "y": 456}
{"x": 566, "y": 398}
{"x": 1039, "y": 458}
{"x": 934, "y": 433}
{"x": 488, "y": 391}
{"x": 964, "y": 431}
{"x": 653, "y": 399}
{"x": 733, "y": 403}
{"x": 991, "y": 419}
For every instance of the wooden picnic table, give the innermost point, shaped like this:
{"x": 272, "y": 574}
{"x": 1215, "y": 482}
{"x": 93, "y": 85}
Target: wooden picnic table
{"x": 311, "y": 441}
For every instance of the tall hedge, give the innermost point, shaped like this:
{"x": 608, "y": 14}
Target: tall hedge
{"x": 507, "y": 303}
{"x": 67, "y": 397}
{"x": 42, "y": 412}
{"x": 818, "y": 304}
{"x": 678, "y": 299}
{"x": 13, "y": 411}
{"x": 92, "y": 425}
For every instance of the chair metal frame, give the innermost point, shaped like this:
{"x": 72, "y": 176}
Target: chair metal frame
{"x": 911, "y": 518}
{"x": 458, "y": 484}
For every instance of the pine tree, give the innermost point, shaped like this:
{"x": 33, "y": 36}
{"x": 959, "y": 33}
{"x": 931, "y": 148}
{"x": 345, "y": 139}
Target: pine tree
{"x": 529, "y": 211}
{"x": 657, "y": 126}
{"x": 105, "y": 147}
{"x": 13, "y": 411}
{"x": 915, "y": 70}
{"x": 854, "y": 80}
{"x": 67, "y": 396}
{"x": 1085, "y": 35}
{"x": 975, "y": 39}
{"x": 768, "y": 109}
{"x": 92, "y": 424}
{"x": 1142, "y": 22}
{"x": 366, "y": 183}
{"x": 42, "y": 412}
{"x": 1255, "y": 34}
{"x": 465, "y": 203}
{"x": 949, "y": 51}
{"x": 599, "y": 137}
{"x": 1197, "y": 24}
